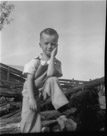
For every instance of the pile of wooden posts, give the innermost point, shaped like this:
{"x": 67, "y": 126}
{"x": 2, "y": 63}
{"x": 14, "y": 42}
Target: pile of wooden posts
{"x": 86, "y": 110}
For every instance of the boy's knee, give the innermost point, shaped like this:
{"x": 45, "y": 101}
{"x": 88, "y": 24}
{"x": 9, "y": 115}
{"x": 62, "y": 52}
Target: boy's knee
{"x": 52, "y": 79}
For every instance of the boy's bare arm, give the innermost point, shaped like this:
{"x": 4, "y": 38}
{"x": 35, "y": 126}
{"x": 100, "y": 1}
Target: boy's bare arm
{"x": 41, "y": 69}
{"x": 51, "y": 68}
{"x": 32, "y": 101}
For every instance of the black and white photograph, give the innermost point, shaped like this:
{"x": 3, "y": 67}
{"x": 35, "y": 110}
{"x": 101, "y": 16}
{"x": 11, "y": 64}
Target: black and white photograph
{"x": 52, "y": 66}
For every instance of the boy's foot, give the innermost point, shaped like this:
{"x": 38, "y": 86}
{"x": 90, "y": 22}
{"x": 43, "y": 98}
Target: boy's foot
{"x": 61, "y": 121}
{"x": 66, "y": 124}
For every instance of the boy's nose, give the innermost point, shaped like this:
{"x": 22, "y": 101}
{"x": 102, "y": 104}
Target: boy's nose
{"x": 49, "y": 45}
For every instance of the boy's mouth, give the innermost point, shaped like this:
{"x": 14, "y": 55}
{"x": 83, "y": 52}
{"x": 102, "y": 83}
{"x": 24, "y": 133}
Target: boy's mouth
{"x": 49, "y": 50}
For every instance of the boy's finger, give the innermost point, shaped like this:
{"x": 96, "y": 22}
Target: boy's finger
{"x": 34, "y": 108}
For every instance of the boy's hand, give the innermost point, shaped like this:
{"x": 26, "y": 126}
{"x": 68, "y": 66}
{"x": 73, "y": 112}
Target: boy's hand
{"x": 33, "y": 104}
{"x": 54, "y": 52}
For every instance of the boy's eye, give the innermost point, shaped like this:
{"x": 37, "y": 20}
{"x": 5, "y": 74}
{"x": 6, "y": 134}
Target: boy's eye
{"x": 53, "y": 44}
{"x": 46, "y": 43}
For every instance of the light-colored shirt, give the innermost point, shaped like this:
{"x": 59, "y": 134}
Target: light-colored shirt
{"x": 32, "y": 66}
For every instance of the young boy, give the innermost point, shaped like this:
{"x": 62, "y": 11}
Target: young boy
{"x": 42, "y": 76}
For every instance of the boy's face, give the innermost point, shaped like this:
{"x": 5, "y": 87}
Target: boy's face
{"x": 48, "y": 43}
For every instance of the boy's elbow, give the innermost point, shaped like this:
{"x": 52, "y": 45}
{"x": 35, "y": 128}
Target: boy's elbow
{"x": 60, "y": 75}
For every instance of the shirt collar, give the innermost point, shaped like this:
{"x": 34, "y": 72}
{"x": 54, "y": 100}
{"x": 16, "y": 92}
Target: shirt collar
{"x": 43, "y": 62}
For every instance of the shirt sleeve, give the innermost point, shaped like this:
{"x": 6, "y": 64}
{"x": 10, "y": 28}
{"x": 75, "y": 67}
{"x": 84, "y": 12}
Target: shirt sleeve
{"x": 31, "y": 67}
{"x": 58, "y": 68}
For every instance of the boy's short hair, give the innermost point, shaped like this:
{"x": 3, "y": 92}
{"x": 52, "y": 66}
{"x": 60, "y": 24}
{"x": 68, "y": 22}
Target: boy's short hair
{"x": 49, "y": 31}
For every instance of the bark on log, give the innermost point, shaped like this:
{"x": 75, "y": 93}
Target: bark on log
{"x": 8, "y": 108}
{"x": 46, "y": 115}
{"x": 88, "y": 85}
{"x": 9, "y": 93}
{"x": 48, "y": 122}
